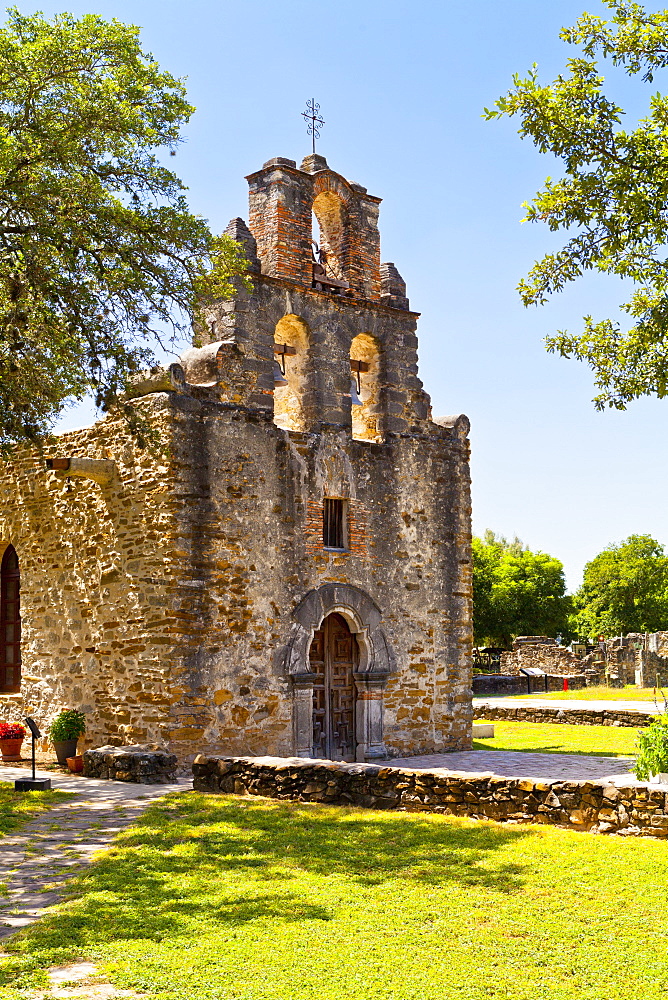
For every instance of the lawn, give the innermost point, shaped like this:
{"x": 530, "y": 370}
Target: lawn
{"x": 224, "y": 898}
{"x": 546, "y": 737}
{"x": 16, "y": 808}
{"x": 628, "y": 693}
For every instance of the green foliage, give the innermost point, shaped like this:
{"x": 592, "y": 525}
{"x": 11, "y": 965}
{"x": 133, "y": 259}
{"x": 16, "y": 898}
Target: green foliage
{"x": 98, "y": 251}
{"x": 652, "y": 757}
{"x": 516, "y": 592}
{"x": 612, "y": 199}
{"x": 624, "y": 589}
{"x": 217, "y": 897}
{"x": 67, "y": 725}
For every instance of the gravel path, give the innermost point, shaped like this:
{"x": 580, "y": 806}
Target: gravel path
{"x": 56, "y": 846}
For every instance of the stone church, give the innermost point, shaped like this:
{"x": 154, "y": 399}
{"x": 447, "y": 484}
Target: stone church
{"x": 290, "y": 571}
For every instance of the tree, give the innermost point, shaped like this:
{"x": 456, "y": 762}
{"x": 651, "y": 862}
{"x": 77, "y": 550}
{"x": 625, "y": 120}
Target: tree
{"x": 98, "y": 251}
{"x": 612, "y": 199}
{"x": 624, "y": 589}
{"x": 516, "y": 592}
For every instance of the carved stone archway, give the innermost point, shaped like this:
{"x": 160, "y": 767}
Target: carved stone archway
{"x": 376, "y": 663}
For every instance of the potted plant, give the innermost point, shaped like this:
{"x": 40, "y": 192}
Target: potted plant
{"x": 64, "y": 733}
{"x": 652, "y": 757}
{"x": 11, "y": 738}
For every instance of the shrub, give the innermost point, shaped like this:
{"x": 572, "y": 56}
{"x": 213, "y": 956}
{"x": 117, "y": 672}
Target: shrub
{"x": 12, "y": 731}
{"x": 652, "y": 757}
{"x": 68, "y": 725}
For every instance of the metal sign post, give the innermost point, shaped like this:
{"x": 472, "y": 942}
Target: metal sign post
{"x": 32, "y": 784}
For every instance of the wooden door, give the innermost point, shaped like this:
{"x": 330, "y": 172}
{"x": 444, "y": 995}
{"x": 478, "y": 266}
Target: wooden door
{"x": 10, "y": 622}
{"x": 333, "y": 658}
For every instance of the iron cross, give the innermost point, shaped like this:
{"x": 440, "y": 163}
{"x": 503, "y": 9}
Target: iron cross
{"x": 314, "y": 120}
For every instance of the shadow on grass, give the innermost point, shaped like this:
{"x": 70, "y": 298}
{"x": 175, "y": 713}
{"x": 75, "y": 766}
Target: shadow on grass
{"x": 224, "y": 861}
{"x": 555, "y": 748}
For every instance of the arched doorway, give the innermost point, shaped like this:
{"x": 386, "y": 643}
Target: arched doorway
{"x": 334, "y": 657}
{"x": 10, "y": 622}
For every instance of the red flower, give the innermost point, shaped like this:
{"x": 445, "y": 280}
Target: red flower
{"x": 11, "y": 731}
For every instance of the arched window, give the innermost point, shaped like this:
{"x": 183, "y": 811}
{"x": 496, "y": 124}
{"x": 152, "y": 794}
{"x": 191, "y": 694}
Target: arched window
{"x": 365, "y": 388}
{"x": 10, "y": 622}
{"x": 291, "y": 353}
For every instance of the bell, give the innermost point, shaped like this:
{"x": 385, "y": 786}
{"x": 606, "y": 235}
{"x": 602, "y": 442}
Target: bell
{"x": 354, "y": 394}
{"x": 279, "y": 377}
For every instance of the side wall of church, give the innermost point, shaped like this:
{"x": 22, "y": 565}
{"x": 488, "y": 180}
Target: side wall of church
{"x": 102, "y": 599}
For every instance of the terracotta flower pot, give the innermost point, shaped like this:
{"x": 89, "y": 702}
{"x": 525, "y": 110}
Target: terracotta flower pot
{"x": 11, "y": 749}
{"x": 75, "y": 764}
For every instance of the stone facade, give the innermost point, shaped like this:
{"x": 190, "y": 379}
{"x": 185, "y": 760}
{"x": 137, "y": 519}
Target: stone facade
{"x": 179, "y": 596}
{"x": 638, "y": 810}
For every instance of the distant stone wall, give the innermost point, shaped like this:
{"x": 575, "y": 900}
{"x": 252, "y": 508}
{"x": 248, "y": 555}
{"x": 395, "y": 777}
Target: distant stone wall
{"x": 640, "y": 810}
{"x": 568, "y": 716}
{"x": 509, "y": 684}
{"x": 541, "y": 652}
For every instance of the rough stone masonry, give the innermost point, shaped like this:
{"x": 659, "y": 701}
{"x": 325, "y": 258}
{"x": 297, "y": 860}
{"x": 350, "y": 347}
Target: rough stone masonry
{"x": 291, "y": 572}
{"x": 638, "y": 810}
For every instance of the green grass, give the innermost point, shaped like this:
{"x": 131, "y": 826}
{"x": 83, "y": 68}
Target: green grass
{"x": 16, "y": 808}
{"x": 628, "y": 693}
{"x": 546, "y": 737}
{"x": 222, "y": 898}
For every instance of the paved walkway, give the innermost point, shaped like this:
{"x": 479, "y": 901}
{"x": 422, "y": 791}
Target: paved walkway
{"x": 512, "y": 764}
{"x": 54, "y": 847}
{"x": 647, "y": 707}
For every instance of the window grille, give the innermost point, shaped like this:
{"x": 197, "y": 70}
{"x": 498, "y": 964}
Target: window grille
{"x": 334, "y": 524}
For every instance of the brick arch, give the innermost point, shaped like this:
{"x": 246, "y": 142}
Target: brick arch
{"x": 328, "y": 181}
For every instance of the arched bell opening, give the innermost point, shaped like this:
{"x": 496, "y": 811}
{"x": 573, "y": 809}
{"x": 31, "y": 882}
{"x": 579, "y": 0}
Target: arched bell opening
{"x": 365, "y": 389}
{"x": 10, "y": 621}
{"x": 329, "y": 229}
{"x": 291, "y": 343}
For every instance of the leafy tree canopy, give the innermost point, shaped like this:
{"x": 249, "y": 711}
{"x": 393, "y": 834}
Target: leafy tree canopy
{"x": 612, "y": 199}
{"x": 625, "y": 589}
{"x": 98, "y": 251}
{"x": 515, "y": 592}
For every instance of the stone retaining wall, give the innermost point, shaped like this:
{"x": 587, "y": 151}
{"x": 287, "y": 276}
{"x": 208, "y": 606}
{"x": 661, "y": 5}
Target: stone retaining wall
{"x": 499, "y": 684}
{"x": 567, "y": 716}
{"x": 637, "y": 810}
{"x": 140, "y": 763}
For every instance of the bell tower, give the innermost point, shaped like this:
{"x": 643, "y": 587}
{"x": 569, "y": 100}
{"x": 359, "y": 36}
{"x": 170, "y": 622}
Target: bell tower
{"x": 284, "y": 199}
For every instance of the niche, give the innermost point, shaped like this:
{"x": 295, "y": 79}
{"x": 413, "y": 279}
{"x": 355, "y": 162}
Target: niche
{"x": 292, "y": 333}
{"x": 365, "y": 387}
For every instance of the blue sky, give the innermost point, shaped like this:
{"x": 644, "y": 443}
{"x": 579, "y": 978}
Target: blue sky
{"x": 402, "y": 88}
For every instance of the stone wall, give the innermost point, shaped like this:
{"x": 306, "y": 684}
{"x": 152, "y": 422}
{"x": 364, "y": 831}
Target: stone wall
{"x": 570, "y": 716}
{"x": 540, "y": 652}
{"x": 141, "y": 764}
{"x": 637, "y": 810}
{"x": 511, "y": 684}
{"x": 101, "y": 595}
